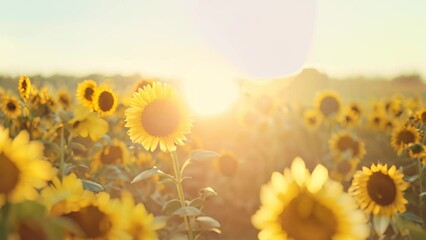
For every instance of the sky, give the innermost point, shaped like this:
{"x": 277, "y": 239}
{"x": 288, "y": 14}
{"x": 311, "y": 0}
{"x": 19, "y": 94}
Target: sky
{"x": 176, "y": 38}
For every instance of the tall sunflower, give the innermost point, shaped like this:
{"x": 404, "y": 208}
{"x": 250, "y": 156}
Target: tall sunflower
{"x": 24, "y": 87}
{"x": 85, "y": 91}
{"x": 403, "y": 137}
{"x": 104, "y": 100}
{"x": 116, "y": 153}
{"x": 328, "y": 104}
{"x": 11, "y": 107}
{"x": 158, "y": 116}
{"x": 379, "y": 190}
{"x": 64, "y": 99}
{"x": 22, "y": 171}
{"x": 300, "y": 205}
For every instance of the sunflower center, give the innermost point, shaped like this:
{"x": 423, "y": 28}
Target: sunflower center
{"x": 93, "y": 222}
{"x": 344, "y": 143}
{"x": 31, "y": 231}
{"x": 312, "y": 120}
{"x": 112, "y": 154}
{"x": 329, "y": 105}
{"x": 416, "y": 149}
{"x": 88, "y": 93}
{"x": 9, "y": 175}
{"x": 381, "y": 189}
{"x": 24, "y": 85}
{"x": 11, "y": 106}
{"x": 106, "y": 101}
{"x": 160, "y": 118}
{"x": 406, "y": 137}
{"x": 305, "y": 218}
{"x": 423, "y": 116}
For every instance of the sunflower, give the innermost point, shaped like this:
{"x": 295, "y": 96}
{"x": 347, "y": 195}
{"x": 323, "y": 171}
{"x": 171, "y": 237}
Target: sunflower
{"x": 421, "y": 116}
{"x": 377, "y": 120}
{"x": 417, "y": 151}
{"x": 349, "y": 119}
{"x": 86, "y": 123}
{"x": 85, "y": 91}
{"x": 345, "y": 145}
{"x": 157, "y": 116}
{"x": 355, "y": 109}
{"x": 313, "y": 118}
{"x": 404, "y": 136}
{"x": 379, "y": 190}
{"x": 11, "y": 107}
{"x": 328, "y": 104}
{"x": 21, "y": 172}
{"x": 300, "y": 205}
{"x": 116, "y": 153}
{"x": 344, "y": 170}
{"x": 24, "y": 87}
{"x": 104, "y": 101}
{"x": 141, "y": 225}
{"x": 227, "y": 163}
{"x": 64, "y": 99}
{"x": 141, "y": 84}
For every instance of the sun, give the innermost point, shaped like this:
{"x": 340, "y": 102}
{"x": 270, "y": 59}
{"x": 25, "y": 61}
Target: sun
{"x": 208, "y": 97}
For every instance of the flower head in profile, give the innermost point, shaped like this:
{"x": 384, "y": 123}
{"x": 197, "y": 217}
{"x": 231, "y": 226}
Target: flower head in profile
{"x": 157, "y": 116}
{"x": 87, "y": 123}
{"x": 24, "y": 87}
{"x": 301, "y": 205}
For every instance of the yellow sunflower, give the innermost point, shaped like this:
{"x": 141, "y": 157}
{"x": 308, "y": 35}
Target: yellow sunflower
{"x": 421, "y": 116}
{"x": 11, "y": 107}
{"x": 328, "y": 103}
{"x": 116, "y": 153}
{"x": 104, "y": 101}
{"x": 417, "y": 151}
{"x": 141, "y": 84}
{"x": 403, "y": 137}
{"x": 313, "y": 118}
{"x": 355, "y": 109}
{"x": 87, "y": 123}
{"x": 141, "y": 225}
{"x": 379, "y": 190}
{"x": 85, "y": 91}
{"x": 343, "y": 170}
{"x": 158, "y": 116}
{"x": 64, "y": 99}
{"x": 300, "y": 205}
{"x": 377, "y": 120}
{"x": 349, "y": 120}
{"x": 22, "y": 171}
{"x": 24, "y": 87}
{"x": 344, "y": 145}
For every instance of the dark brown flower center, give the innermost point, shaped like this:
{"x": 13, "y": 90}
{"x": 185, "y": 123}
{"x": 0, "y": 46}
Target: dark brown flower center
{"x": 417, "y": 149}
{"x": 160, "y": 118}
{"x": 329, "y": 105}
{"x": 106, "y": 101}
{"x": 88, "y": 93}
{"x": 112, "y": 154}
{"x": 305, "y": 218}
{"x": 11, "y": 106}
{"x": 406, "y": 137}
{"x": 9, "y": 175}
{"x": 24, "y": 85}
{"x": 381, "y": 189}
{"x": 93, "y": 222}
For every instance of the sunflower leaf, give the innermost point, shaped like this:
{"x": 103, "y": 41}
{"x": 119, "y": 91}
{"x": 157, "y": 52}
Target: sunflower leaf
{"x": 185, "y": 165}
{"x": 77, "y": 146}
{"x": 207, "y": 223}
{"x": 171, "y": 206}
{"x": 149, "y": 173}
{"x": 203, "y": 155}
{"x": 412, "y": 178}
{"x": 92, "y": 186}
{"x": 207, "y": 193}
{"x": 187, "y": 211}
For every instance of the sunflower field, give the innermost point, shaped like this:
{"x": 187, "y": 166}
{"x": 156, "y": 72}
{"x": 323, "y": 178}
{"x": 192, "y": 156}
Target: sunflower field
{"x": 305, "y": 157}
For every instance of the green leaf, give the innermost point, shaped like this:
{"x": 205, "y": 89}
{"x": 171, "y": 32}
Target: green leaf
{"x": 412, "y": 217}
{"x": 202, "y": 155}
{"x": 197, "y": 202}
{"x": 92, "y": 186}
{"x": 171, "y": 206}
{"x": 184, "y": 166}
{"x": 149, "y": 173}
{"x": 207, "y": 193}
{"x": 412, "y": 178}
{"x": 422, "y": 195}
{"x": 207, "y": 223}
{"x": 187, "y": 211}
{"x": 77, "y": 146}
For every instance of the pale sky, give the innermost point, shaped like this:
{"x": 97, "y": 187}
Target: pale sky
{"x": 162, "y": 37}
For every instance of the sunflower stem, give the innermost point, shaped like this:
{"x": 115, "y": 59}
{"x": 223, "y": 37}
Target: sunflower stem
{"x": 4, "y": 215}
{"x": 179, "y": 188}
{"x": 62, "y": 160}
{"x": 419, "y": 163}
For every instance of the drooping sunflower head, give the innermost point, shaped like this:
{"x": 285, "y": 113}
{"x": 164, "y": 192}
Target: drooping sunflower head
{"x": 11, "y": 107}
{"x": 328, "y": 103}
{"x": 403, "y": 137}
{"x": 313, "y": 118}
{"x": 21, "y": 172}
{"x": 346, "y": 146}
{"x": 104, "y": 100}
{"x": 64, "y": 99}
{"x": 379, "y": 190}
{"x": 141, "y": 84}
{"x": 158, "y": 116}
{"x": 85, "y": 91}
{"x": 114, "y": 154}
{"x": 24, "y": 87}
{"x": 300, "y": 205}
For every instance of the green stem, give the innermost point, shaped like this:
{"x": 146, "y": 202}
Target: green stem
{"x": 62, "y": 160}
{"x": 419, "y": 163}
{"x": 4, "y": 213}
{"x": 180, "y": 192}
